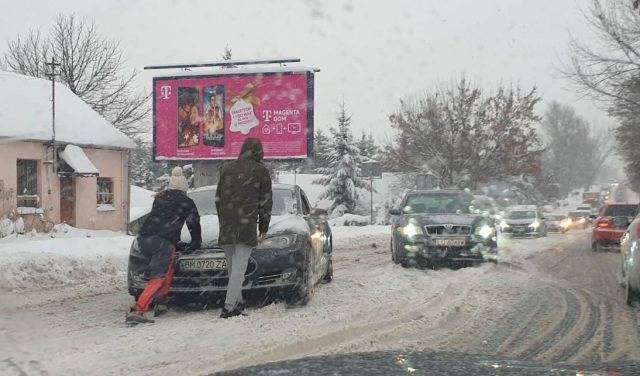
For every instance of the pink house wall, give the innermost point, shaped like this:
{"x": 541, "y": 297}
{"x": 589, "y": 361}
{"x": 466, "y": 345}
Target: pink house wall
{"x": 110, "y": 163}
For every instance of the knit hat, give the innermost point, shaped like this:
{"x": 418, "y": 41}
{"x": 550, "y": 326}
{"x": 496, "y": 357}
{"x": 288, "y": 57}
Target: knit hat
{"x": 177, "y": 180}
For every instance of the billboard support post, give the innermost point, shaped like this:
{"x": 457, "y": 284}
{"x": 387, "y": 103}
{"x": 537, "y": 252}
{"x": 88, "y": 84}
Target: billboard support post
{"x": 372, "y": 169}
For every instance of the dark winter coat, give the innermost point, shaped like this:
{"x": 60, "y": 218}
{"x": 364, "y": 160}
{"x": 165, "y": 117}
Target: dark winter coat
{"x": 171, "y": 209}
{"x": 244, "y": 197}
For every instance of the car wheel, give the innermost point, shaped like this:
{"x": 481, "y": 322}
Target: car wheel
{"x": 301, "y": 293}
{"x": 328, "y": 275}
{"x": 599, "y": 247}
{"x": 630, "y": 293}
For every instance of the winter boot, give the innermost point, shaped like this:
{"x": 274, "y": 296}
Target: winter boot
{"x": 238, "y": 311}
{"x": 135, "y": 318}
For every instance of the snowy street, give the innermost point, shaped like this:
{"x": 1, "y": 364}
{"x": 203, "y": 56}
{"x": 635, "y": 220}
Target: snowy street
{"x": 550, "y": 299}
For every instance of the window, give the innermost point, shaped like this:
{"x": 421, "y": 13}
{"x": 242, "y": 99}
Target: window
{"x": 306, "y": 208}
{"x": 105, "y": 192}
{"x": 27, "y": 193}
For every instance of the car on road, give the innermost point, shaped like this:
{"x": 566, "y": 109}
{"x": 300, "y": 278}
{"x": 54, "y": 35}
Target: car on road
{"x": 439, "y": 227}
{"x": 557, "y": 222}
{"x": 524, "y": 221}
{"x": 296, "y": 255}
{"x": 580, "y": 219}
{"x": 630, "y": 256}
{"x": 607, "y": 231}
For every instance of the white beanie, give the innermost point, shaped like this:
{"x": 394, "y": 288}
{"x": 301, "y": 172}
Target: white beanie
{"x": 177, "y": 180}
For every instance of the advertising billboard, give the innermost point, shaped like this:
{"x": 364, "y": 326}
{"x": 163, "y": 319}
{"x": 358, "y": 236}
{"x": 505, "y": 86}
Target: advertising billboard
{"x": 200, "y": 117}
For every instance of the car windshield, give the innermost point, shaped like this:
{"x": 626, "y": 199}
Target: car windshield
{"x": 553, "y": 217}
{"x": 522, "y": 214}
{"x": 620, "y": 211}
{"x": 438, "y": 203}
{"x": 284, "y": 201}
{"x": 579, "y": 214}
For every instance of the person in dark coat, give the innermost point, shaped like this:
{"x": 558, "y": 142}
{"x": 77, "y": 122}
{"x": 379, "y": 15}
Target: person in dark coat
{"x": 159, "y": 238}
{"x": 243, "y": 198}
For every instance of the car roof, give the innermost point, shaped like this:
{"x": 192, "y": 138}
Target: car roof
{"x": 214, "y": 187}
{"x": 441, "y": 191}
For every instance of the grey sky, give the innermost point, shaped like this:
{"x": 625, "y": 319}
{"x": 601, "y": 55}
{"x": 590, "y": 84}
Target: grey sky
{"x": 370, "y": 52}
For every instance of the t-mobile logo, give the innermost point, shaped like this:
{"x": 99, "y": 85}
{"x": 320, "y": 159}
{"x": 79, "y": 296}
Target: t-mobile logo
{"x": 165, "y": 92}
{"x": 267, "y": 115}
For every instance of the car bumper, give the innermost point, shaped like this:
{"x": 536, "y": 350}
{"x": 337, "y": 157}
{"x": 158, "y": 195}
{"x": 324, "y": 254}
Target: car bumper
{"x": 608, "y": 236}
{"x": 267, "y": 269}
{"x": 474, "y": 252}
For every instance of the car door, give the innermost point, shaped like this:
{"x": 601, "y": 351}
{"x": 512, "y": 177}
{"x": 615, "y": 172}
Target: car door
{"x": 316, "y": 231}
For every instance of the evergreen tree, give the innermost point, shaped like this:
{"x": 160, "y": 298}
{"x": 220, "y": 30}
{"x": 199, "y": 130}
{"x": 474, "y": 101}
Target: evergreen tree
{"x": 368, "y": 148}
{"x": 321, "y": 147}
{"x": 342, "y": 175}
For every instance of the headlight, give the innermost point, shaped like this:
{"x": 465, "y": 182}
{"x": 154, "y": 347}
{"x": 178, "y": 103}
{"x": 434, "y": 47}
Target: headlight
{"x": 535, "y": 224}
{"x": 503, "y": 225}
{"x": 582, "y": 220}
{"x": 485, "y": 231}
{"x": 410, "y": 230}
{"x": 566, "y": 223}
{"x": 278, "y": 241}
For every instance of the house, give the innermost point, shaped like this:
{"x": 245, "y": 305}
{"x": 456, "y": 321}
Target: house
{"x": 76, "y": 174}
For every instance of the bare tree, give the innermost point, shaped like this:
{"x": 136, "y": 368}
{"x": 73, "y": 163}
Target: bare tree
{"x": 607, "y": 70}
{"x": 464, "y": 137}
{"x": 92, "y": 66}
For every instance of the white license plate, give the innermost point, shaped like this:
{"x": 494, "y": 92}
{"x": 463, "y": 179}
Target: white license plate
{"x": 451, "y": 242}
{"x": 203, "y": 264}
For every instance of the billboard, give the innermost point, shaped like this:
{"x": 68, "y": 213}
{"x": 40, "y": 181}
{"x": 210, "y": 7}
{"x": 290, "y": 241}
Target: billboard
{"x": 200, "y": 117}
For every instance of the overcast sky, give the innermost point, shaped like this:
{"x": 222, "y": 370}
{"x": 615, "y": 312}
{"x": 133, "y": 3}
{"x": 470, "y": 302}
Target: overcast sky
{"x": 371, "y": 52}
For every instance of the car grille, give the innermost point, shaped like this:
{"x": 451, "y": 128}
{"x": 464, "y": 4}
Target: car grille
{"x": 447, "y": 230}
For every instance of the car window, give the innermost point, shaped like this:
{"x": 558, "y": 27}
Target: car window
{"x": 620, "y": 211}
{"x": 306, "y": 208}
{"x": 205, "y": 201}
{"x": 438, "y": 203}
{"x": 284, "y": 202}
{"x": 522, "y": 214}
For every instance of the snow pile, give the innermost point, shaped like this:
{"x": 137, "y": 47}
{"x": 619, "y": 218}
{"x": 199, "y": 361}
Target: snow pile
{"x": 68, "y": 256}
{"x": 141, "y": 202}
{"x": 350, "y": 220}
{"x": 26, "y": 115}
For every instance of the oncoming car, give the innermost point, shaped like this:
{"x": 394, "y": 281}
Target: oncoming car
{"x": 557, "y": 222}
{"x": 436, "y": 228}
{"x": 296, "y": 255}
{"x": 524, "y": 222}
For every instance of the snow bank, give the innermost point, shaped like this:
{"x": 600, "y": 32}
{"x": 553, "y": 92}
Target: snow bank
{"x": 141, "y": 202}
{"x": 350, "y": 220}
{"x": 68, "y": 256}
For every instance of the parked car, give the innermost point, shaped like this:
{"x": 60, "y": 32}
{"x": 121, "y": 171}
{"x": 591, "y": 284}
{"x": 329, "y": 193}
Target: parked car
{"x": 436, "y": 228}
{"x": 296, "y": 255}
{"x": 630, "y": 265}
{"x": 607, "y": 229}
{"x": 524, "y": 221}
{"x": 557, "y": 222}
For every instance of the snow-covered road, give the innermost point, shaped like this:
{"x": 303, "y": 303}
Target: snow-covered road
{"x": 551, "y": 299}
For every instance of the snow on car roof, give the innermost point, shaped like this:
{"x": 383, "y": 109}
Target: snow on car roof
{"x": 213, "y": 187}
{"x": 26, "y": 115}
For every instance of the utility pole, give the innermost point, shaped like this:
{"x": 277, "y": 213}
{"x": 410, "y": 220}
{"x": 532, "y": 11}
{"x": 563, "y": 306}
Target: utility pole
{"x": 52, "y": 74}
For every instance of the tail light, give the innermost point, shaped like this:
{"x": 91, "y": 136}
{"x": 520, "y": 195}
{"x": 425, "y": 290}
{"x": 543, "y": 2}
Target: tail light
{"x": 638, "y": 231}
{"x": 604, "y": 223}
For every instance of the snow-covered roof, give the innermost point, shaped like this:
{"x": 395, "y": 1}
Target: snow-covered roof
{"x": 25, "y": 115}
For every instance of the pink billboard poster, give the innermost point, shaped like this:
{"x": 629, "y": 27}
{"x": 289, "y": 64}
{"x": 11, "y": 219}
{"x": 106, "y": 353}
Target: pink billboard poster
{"x": 209, "y": 117}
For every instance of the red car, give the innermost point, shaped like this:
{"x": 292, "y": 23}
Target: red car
{"x": 610, "y": 225}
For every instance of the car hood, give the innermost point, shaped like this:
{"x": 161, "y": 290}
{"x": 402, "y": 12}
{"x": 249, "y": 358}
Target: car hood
{"x": 439, "y": 219}
{"x": 526, "y": 221}
{"x": 279, "y": 224}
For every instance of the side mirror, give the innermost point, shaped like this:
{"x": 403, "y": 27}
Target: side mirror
{"x": 394, "y": 212}
{"x": 593, "y": 216}
{"x": 317, "y": 212}
{"x": 621, "y": 222}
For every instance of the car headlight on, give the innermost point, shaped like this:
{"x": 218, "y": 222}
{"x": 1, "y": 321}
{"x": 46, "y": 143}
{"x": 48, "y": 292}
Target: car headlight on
{"x": 504, "y": 225}
{"x": 278, "y": 241}
{"x": 410, "y": 230}
{"x": 566, "y": 223}
{"x": 485, "y": 231}
{"x": 535, "y": 224}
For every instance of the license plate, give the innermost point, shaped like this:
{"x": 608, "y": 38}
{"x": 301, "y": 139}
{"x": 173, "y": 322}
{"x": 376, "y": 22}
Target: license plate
{"x": 203, "y": 264}
{"x": 451, "y": 242}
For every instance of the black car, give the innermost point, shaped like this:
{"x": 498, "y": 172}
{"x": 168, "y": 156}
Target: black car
{"x": 296, "y": 255}
{"x": 440, "y": 227}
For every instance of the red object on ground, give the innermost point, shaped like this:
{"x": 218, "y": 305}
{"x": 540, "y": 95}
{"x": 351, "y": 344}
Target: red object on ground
{"x": 156, "y": 287}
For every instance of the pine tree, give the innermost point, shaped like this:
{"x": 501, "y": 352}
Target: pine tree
{"x": 321, "y": 147}
{"x": 342, "y": 175}
{"x": 368, "y": 148}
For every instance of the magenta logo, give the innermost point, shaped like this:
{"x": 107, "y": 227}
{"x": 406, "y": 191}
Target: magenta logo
{"x": 165, "y": 92}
